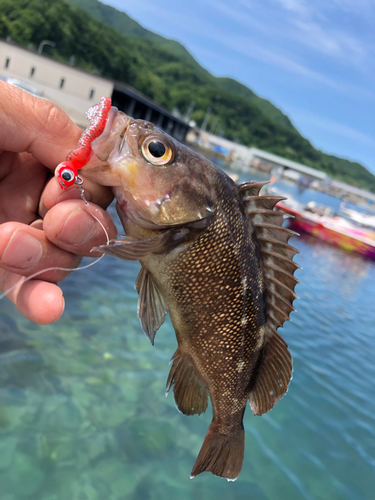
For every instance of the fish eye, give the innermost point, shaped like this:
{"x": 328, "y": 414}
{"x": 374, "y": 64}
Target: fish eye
{"x": 157, "y": 150}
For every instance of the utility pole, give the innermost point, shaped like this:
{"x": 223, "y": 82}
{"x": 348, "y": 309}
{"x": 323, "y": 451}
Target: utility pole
{"x": 204, "y": 124}
{"x": 189, "y": 111}
{"x": 214, "y": 125}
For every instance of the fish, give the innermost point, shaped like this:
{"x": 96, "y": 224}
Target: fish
{"x": 214, "y": 256}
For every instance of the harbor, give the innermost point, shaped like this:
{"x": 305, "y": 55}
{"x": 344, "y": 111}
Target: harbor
{"x": 83, "y": 407}
{"x": 247, "y": 159}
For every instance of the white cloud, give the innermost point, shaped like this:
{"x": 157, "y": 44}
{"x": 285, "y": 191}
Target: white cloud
{"x": 331, "y": 42}
{"x": 357, "y": 7}
{"x": 243, "y": 46}
{"x": 296, "y": 6}
{"x": 301, "y": 23}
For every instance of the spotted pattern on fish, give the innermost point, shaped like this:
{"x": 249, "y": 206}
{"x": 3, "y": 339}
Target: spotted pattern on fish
{"x": 217, "y": 288}
{"x": 216, "y": 257}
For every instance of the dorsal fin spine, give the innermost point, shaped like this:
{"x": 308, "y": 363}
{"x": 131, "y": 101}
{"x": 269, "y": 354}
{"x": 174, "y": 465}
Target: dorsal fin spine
{"x": 274, "y": 241}
{"x": 265, "y": 211}
{"x": 253, "y": 187}
{"x": 281, "y": 257}
{"x": 283, "y": 300}
{"x": 278, "y": 228}
{"x": 264, "y": 200}
{"x": 285, "y": 287}
{"x": 283, "y": 271}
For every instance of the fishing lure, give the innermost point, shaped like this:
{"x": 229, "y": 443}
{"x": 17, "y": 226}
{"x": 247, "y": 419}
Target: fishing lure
{"x": 67, "y": 172}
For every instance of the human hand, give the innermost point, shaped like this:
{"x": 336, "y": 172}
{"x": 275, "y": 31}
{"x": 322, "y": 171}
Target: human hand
{"x": 42, "y": 226}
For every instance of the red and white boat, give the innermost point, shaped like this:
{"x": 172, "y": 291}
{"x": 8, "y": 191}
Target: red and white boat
{"x": 320, "y": 222}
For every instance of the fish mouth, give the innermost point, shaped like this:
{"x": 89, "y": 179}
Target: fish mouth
{"x": 111, "y": 116}
{"x": 116, "y": 126}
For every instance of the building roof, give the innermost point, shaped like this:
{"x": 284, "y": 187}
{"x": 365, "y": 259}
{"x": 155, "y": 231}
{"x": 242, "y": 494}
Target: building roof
{"x": 353, "y": 189}
{"x": 131, "y": 92}
{"x": 313, "y": 172}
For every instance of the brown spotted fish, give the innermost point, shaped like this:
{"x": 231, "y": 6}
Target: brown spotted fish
{"x": 215, "y": 257}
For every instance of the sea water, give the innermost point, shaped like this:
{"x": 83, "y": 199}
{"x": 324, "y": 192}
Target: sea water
{"x": 83, "y": 413}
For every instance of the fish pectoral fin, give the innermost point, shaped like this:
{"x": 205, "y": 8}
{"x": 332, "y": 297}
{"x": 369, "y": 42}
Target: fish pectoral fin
{"x": 128, "y": 248}
{"x": 190, "y": 392}
{"x": 152, "y": 308}
{"x": 274, "y": 375}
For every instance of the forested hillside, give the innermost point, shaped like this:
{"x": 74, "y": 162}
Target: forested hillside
{"x": 125, "y": 25}
{"x": 121, "y": 49}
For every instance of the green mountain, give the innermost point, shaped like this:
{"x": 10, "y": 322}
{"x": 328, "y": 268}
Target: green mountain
{"x": 265, "y": 106}
{"x": 119, "y": 48}
{"x": 125, "y": 25}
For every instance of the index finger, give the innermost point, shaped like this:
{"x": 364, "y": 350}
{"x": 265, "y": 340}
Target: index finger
{"x": 35, "y": 125}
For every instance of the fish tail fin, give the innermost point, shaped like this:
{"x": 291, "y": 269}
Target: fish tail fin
{"x": 221, "y": 454}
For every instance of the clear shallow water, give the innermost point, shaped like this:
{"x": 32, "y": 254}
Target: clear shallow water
{"x": 83, "y": 414}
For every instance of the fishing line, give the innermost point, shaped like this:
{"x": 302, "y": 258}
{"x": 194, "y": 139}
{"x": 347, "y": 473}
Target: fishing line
{"x": 23, "y": 280}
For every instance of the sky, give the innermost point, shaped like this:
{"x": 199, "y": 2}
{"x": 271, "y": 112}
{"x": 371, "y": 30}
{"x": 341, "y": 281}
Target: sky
{"x": 313, "y": 59}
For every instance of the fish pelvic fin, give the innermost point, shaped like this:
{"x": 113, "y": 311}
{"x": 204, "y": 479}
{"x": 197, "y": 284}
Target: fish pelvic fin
{"x": 221, "y": 454}
{"x": 274, "y": 375}
{"x": 190, "y": 392}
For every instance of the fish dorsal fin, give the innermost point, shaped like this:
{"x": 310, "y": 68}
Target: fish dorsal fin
{"x": 151, "y": 306}
{"x": 190, "y": 392}
{"x": 275, "y": 370}
{"x": 277, "y": 254}
{"x": 251, "y": 188}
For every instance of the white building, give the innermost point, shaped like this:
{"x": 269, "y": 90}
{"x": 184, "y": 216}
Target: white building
{"x": 74, "y": 90}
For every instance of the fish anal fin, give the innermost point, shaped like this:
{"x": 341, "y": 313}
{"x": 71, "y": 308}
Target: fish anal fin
{"x": 190, "y": 392}
{"x": 152, "y": 308}
{"x": 274, "y": 374}
{"x": 129, "y": 248}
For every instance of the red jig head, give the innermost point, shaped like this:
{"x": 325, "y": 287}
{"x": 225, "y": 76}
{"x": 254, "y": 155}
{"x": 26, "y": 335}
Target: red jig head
{"x": 67, "y": 172}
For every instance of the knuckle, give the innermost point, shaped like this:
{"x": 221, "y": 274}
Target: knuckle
{"x": 54, "y": 118}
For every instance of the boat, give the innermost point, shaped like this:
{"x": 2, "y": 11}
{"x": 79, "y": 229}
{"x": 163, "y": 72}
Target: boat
{"x": 362, "y": 219}
{"x": 323, "y": 223}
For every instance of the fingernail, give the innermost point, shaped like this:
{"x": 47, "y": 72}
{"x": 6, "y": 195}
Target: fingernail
{"x": 78, "y": 228}
{"x": 37, "y": 224}
{"x": 23, "y": 251}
